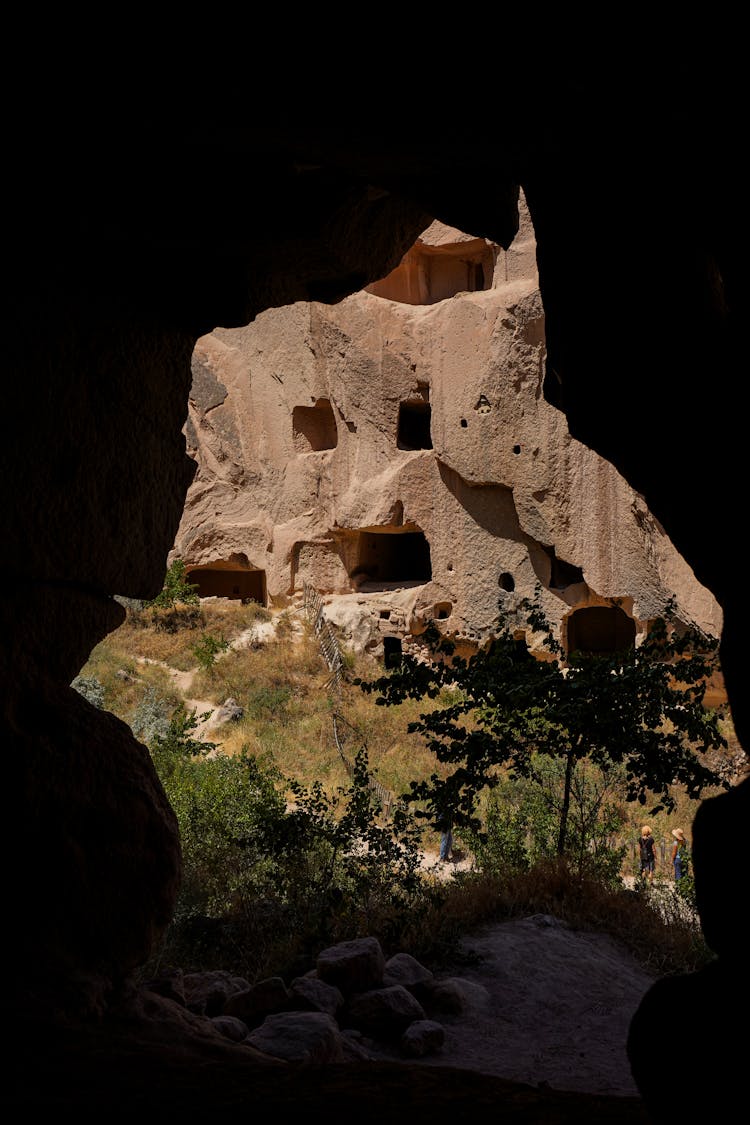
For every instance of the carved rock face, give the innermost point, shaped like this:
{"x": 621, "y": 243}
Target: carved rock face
{"x": 396, "y": 448}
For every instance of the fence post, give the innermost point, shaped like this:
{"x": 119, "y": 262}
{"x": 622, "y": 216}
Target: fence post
{"x": 329, "y": 647}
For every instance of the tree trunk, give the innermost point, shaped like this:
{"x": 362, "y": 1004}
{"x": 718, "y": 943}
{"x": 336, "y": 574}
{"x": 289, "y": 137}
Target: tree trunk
{"x": 561, "y": 839}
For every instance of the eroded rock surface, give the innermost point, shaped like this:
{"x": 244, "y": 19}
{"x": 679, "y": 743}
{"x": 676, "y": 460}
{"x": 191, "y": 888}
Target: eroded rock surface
{"x": 396, "y": 453}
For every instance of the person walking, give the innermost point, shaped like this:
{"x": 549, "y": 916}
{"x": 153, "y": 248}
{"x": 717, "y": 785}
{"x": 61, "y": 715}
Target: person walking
{"x": 647, "y": 847}
{"x": 446, "y": 838}
{"x": 679, "y": 854}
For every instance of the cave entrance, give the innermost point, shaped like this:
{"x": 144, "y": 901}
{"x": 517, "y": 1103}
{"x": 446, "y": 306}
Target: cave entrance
{"x": 414, "y": 417}
{"x": 314, "y": 427}
{"x": 562, "y": 573}
{"x": 392, "y": 652}
{"x": 432, "y": 272}
{"x": 599, "y": 629}
{"x": 228, "y": 582}
{"x": 393, "y": 556}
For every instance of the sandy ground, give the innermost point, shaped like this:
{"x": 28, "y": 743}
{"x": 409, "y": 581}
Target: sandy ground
{"x": 544, "y": 1005}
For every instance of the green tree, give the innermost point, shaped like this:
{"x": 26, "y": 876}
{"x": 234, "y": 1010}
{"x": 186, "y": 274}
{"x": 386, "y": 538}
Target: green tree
{"x": 640, "y": 709}
{"x": 171, "y": 749}
{"x": 371, "y": 868}
{"x": 264, "y": 877}
{"x": 521, "y": 815}
{"x": 175, "y": 589}
{"x": 207, "y": 649}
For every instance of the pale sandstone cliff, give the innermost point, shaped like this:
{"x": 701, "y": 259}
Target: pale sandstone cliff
{"x": 395, "y": 452}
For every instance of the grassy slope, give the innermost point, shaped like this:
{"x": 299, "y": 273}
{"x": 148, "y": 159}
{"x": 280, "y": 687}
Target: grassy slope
{"x": 277, "y": 674}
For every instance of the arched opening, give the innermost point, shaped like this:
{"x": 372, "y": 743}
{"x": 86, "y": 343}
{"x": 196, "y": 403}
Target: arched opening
{"x": 229, "y": 582}
{"x": 599, "y": 629}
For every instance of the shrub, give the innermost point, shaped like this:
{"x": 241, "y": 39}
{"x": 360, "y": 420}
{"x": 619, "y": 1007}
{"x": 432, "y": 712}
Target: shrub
{"x": 265, "y": 884}
{"x": 90, "y": 688}
{"x": 170, "y": 619}
{"x": 151, "y": 718}
{"x": 521, "y": 817}
{"x": 175, "y": 589}
{"x": 207, "y": 649}
{"x": 268, "y": 701}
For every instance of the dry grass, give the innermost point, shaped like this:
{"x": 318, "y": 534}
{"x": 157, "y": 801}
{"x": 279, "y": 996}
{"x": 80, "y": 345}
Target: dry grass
{"x": 170, "y": 635}
{"x": 125, "y": 679}
{"x": 662, "y": 937}
{"x": 282, "y": 684}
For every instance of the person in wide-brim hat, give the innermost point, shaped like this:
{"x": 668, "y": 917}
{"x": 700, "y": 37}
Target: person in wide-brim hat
{"x": 678, "y": 854}
{"x": 647, "y": 846}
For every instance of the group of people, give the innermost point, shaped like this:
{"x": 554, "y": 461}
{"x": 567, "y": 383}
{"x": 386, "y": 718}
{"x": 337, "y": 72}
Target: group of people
{"x": 647, "y": 844}
{"x": 679, "y": 856}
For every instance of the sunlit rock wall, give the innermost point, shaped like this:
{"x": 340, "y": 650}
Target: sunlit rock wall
{"x": 395, "y": 452}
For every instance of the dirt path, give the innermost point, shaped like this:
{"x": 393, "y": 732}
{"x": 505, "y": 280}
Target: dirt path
{"x": 446, "y": 869}
{"x": 183, "y": 681}
{"x": 258, "y": 632}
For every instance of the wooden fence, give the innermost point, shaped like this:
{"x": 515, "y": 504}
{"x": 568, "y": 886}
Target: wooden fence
{"x": 329, "y": 646}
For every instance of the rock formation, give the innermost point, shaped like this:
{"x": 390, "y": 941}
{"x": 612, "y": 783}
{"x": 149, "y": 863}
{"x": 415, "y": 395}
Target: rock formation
{"x": 158, "y": 190}
{"x": 395, "y": 452}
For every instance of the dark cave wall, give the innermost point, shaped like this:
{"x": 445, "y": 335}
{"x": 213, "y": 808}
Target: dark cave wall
{"x": 122, "y": 262}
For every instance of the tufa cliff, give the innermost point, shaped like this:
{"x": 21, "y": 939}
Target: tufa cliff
{"x": 395, "y": 451}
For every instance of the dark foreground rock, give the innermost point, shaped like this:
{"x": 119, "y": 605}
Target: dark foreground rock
{"x": 123, "y": 1073}
{"x": 210, "y": 1047}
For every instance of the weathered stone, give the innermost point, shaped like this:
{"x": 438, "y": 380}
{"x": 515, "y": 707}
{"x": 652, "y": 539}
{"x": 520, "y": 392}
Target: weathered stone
{"x": 352, "y": 966}
{"x": 231, "y": 1027}
{"x": 310, "y": 992}
{"x": 384, "y": 1012}
{"x": 455, "y": 995}
{"x": 397, "y": 455}
{"x": 405, "y": 970}
{"x": 207, "y": 993}
{"x": 301, "y": 1037}
{"x": 423, "y": 1037}
{"x": 229, "y": 712}
{"x": 253, "y": 1004}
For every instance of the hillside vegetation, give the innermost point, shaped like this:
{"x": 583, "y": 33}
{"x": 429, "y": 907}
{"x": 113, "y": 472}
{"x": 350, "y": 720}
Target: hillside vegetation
{"x": 168, "y": 669}
{"x": 275, "y": 671}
